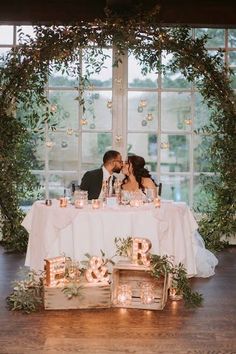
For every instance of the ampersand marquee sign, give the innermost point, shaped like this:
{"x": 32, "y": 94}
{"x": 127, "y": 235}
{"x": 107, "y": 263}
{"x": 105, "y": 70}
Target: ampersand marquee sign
{"x": 96, "y": 271}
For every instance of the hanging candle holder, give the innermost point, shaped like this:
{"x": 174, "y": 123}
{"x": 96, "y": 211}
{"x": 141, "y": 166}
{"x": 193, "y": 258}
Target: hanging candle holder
{"x": 69, "y": 131}
{"x": 109, "y": 104}
{"x": 83, "y": 121}
{"x": 53, "y": 108}
{"x": 149, "y": 117}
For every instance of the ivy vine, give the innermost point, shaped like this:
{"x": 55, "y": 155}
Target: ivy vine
{"x": 25, "y": 72}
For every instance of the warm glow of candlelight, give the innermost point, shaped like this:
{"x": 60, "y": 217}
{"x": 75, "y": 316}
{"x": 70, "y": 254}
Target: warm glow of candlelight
{"x": 96, "y": 203}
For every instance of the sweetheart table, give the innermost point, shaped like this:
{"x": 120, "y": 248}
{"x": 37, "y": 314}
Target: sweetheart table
{"x": 54, "y": 230}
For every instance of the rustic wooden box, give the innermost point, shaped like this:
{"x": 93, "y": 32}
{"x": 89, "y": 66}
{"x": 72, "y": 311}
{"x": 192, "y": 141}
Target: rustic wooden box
{"x": 134, "y": 275}
{"x": 92, "y": 296}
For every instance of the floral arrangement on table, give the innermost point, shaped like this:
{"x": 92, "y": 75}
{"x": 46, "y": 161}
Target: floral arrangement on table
{"x": 27, "y": 294}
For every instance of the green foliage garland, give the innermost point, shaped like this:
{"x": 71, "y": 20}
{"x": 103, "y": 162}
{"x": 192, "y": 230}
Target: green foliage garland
{"x": 25, "y": 73}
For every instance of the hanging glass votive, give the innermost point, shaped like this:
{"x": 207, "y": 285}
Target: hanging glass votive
{"x": 64, "y": 144}
{"x": 53, "y": 108}
{"x": 144, "y": 123}
{"x": 109, "y": 104}
{"x": 188, "y": 121}
{"x": 140, "y": 109}
{"x": 83, "y": 121}
{"x": 92, "y": 126}
{"x": 143, "y": 103}
{"x": 149, "y": 117}
{"x": 49, "y": 144}
{"x": 69, "y": 131}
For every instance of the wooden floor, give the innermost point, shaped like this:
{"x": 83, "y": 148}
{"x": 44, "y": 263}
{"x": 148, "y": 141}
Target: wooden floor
{"x": 210, "y": 329}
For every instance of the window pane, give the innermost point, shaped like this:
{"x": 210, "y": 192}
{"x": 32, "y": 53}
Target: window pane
{"x": 98, "y": 114}
{"x": 170, "y": 79}
{"x": 65, "y": 108}
{"x": 176, "y": 111}
{"x": 6, "y": 35}
{"x": 232, "y": 58}
{"x": 232, "y": 38}
{"x": 63, "y": 155}
{"x": 3, "y": 54}
{"x": 63, "y": 78}
{"x": 94, "y": 145}
{"x": 38, "y": 194}
{"x": 201, "y": 161}
{"x": 174, "y": 153}
{"x": 101, "y": 78}
{"x": 40, "y": 149}
{"x": 233, "y": 79}
{"x": 135, "y": 77}
{"x": 142, "y": 111}
{"x": 24, "y": 32}
{"x": 175, "y": 188}
{"x": 60, "y": 182}
{"x": 216, "y": 36}
{"x": 145, "y": 145}
{"x": 202, "y": 112}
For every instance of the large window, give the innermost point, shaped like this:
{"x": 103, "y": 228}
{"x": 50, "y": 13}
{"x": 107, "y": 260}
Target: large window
{"x": 155, "y": 116}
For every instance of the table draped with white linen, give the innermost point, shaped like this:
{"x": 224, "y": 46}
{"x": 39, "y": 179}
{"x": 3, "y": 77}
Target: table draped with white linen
{"x": 54, "y": 230}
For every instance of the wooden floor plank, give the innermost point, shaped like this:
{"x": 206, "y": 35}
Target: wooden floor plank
{"x": 210, "y": 329}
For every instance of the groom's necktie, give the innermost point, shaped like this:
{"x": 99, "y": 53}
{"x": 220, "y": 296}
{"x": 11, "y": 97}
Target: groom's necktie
{"x": 109, "y": 186}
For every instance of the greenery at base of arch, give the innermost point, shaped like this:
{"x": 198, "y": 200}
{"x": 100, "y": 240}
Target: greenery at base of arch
{"x": 25, "y": 72}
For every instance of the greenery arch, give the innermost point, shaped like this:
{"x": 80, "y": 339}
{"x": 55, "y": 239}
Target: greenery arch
{"x": 25, "y": 72}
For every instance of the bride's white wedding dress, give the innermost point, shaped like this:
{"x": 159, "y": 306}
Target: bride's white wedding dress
{"x": 206, "y": 261}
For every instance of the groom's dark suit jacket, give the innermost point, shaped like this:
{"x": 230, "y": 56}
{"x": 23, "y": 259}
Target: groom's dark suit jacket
{"x": 92, "y": 182}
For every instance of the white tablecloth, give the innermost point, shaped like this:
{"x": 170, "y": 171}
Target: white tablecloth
{"x": 54, "y": 230}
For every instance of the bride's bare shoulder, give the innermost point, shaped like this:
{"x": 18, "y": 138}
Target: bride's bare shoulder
{"x": 148, "y": 182}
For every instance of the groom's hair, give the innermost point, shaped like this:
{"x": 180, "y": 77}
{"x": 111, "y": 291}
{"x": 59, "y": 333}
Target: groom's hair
{"x": 110, "y": 155}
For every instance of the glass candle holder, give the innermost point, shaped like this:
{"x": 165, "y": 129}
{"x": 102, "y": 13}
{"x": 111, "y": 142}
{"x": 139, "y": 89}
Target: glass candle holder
{"x": 63, "y": 202}
{"x": 124, "y": 294}
{"x": 157, "y": 202}
{"x": 96, "y": 203}
{"x": 147, "y": 294}
{"x": 79, "y": 203}
{"x": 175, "y": 294}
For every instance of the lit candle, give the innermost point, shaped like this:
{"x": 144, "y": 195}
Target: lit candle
{"x": 96, "y": 203}
{"x": 147, "y": 295}
{"x": 63, "y": 202}
{"x": 175, "y": 294}
{"x": 124, "y": 294}
{"x": 79, "y": 203}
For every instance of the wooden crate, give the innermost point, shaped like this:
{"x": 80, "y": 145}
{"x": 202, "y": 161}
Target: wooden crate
{"x": 92, "y": 296}
{"x": 134, "y": 275}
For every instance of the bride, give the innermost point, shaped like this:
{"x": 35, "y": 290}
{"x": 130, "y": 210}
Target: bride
{"x": 137, "y": 177}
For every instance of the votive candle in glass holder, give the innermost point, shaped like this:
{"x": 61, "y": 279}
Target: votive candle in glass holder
{"x": 63, "y": 202}
{"x": 79, "y": 203}
{"x": 124, "y": 294}
{"x": 175, "y": 294}
{"x": 96, "y": 203}
{"x": 147, "y": 294}
{"x": 157, "y": 202}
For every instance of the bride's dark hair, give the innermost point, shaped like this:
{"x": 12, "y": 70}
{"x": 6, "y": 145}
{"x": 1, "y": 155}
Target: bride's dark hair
{"x": 139, "y": 170}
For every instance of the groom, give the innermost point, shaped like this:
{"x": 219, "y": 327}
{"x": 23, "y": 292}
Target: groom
{"x": 92, "y": 181}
